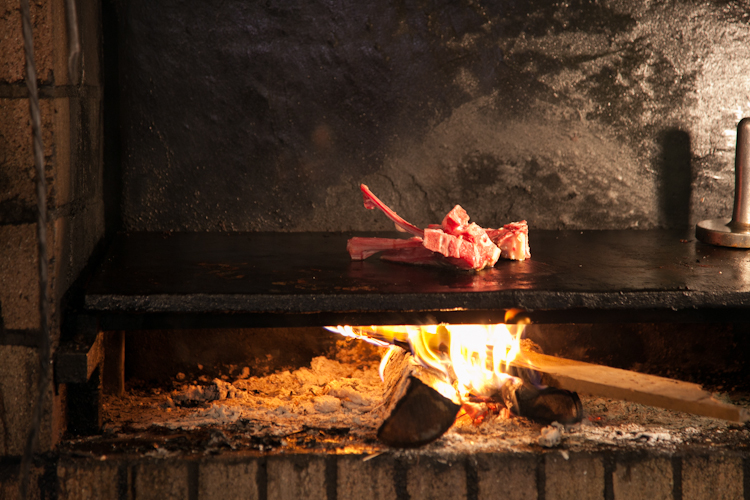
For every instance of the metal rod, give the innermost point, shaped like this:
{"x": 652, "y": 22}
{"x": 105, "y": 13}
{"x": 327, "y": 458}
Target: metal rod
{"x": 41, "y": 192}
{"x": 74, "y": 46}
{"x": 741, "y": 214}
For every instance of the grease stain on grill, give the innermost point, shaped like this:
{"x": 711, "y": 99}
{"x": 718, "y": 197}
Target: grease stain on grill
{"x": 224, "y": 271}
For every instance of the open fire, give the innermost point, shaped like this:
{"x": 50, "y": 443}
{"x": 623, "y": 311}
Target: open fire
{"x": 469, "y": 364}
{"x": 432, "y": 381}
{"x": 437, "y": 370}
{"x": 473, "y": 359}
{"x": 339, "y": 402}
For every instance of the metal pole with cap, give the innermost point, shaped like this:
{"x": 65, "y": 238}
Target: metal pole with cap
{"x": 734, "y": 232}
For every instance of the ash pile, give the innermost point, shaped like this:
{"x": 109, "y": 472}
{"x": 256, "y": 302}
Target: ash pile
{"x": 338, "y": 403}
{"x": 332, "y": 392}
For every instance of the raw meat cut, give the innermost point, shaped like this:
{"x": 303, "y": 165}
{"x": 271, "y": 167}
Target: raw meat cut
{"x": 512, "y": 240}
{"x": 455, "y": 221}
{"x": 361, "y": 248}
{"x": 372, "y": 201}
{"x": 455, "y": 241}
{"x": 420, "y": 256}
{"x": 477, "y": 255}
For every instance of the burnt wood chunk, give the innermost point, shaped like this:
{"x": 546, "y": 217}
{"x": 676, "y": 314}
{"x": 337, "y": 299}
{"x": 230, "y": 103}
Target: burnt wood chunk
{"x": 541, "y": 405}
{"x": 413, "y": 412}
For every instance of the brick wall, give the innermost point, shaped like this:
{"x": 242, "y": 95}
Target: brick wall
{"x": 71, "y": 120}
{"x": 397, "y": 476}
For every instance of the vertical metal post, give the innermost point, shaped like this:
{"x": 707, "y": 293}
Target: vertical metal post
{"x": 41, "y": 224}
{"x": 734, "y": 232}
{"x": 741, "y": 214}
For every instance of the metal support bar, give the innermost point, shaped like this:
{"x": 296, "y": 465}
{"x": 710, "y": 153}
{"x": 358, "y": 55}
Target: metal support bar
{"x": 79, "y": 365}
{"x": 113, "y": 374}
{"x": 85, "y": 405}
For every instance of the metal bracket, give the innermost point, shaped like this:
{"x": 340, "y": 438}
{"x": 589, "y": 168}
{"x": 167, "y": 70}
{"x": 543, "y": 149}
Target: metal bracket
{"x": 76, "y": 360}
{"x": 78, "y": 364}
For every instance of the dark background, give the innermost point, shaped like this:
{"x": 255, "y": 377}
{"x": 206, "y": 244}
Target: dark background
{"x": 266, "y": 116}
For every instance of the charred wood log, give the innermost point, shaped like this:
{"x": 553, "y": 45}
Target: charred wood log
{"x": 546, "y": 405}
{"x": 419, "y": 406}
{"x": 413, "y": 412}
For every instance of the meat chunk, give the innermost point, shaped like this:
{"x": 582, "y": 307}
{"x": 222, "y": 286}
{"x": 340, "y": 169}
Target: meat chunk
{"x": 512, "y": 240}
{"x": 419, "y": 256}
{"x": 475, "y": 249}
{"x": 455, "y": 221}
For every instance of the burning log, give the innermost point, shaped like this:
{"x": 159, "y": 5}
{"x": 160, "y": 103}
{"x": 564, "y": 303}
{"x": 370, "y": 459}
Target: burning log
{"x": 419, "y": 405}
{"x": 478, "y": 360}
{"x": 414, "y": 413}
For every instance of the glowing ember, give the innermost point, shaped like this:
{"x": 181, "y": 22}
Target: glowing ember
{"x": 473, "y": 359}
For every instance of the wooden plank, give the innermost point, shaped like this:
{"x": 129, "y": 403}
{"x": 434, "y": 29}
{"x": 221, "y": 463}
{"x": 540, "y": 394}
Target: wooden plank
{"x": 615, "y": 383}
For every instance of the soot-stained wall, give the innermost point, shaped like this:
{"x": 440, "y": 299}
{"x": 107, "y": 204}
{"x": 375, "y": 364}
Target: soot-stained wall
{"x": 266, "y": 116}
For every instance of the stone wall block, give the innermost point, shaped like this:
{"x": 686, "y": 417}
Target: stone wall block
{"x": 161, "y": 480}
{"x": 56, "y": 121}
{"x": 580, "y": 476}
{"x": 511, "y": 477}
{"x": 433, "y": 479}
{"x": 38, "y": 488}
{"x": 715, "y": 477}
{"x": 17, "y": 189}
{"x": 17, "y": 383}
{"x": 19, "y": 294}
{"x": 18, "y": 378}
{"x": 296, "y": 477}
{"x": 649, "y": 478}
{"x": 369, "y": 480}
{"x": 230, "y": 479}
{"x": 50, "y": 42}
{"x": 17, "y": 171}
{"x": 87, "y": 480}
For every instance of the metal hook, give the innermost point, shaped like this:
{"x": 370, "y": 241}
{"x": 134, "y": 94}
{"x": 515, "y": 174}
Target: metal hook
{"x": 74, "y": 45}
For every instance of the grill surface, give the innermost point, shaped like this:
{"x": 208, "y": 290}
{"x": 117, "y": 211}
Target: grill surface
{"x": 282, "y": 279}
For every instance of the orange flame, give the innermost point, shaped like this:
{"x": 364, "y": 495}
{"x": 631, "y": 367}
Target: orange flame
{"x": 473, "y": 359}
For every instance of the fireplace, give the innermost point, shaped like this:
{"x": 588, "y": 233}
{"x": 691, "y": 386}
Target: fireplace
{"x": 306, "y": 423}
{"x": 205, "y": 163}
